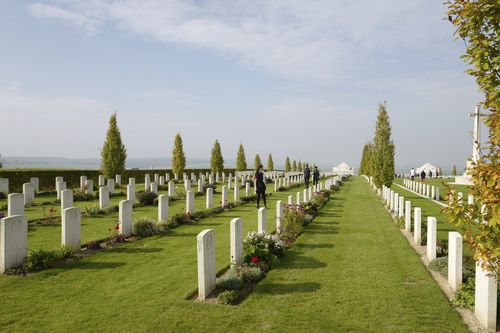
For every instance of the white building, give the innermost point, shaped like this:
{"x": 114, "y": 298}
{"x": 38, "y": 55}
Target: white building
{"x": 343, "y": 169}
{"x": 427, "y": 167}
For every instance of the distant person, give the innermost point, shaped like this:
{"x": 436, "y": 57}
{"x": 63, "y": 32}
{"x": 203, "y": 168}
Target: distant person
{"x": 422, "y": 175}
{"x": 430, "y": 173}
{"x": 412, "y": 174}
{"x": 437, "y": 173}
{"x": 307, "y": 175}
{"x": 260, "y": 186}
{"x": 315, "y": 176}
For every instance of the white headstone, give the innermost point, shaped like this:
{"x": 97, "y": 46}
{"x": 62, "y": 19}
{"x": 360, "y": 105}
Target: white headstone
{"x": 401, "y": 206}
{"x": 4, "y": 185}
{"x": 290, "y": 199}
{"x": 70, "y": 227}
{"x": 58, "y": 179}
{"x": 154, "y": 187}
{"x": 224, "y": 197}
{"x": 431, "y": 237}
{"x": 200, "y": 186}
{"x": 59, "y": 187}
{"x": 236, "y": 192}
{"x": 89, "y": 186}
{"x": 111, "y": 185}
{"x": 299, "y": 197}
{"x": 210, "y": 198}
{"x": 236, "y": 237}
{"x": 103, "y": 197}
{"x": 189, "y": 202}
{"x": 83, "y": 179}
{"x": 147, "y": 183}
{"x": 162, "y": 181}
{"x": 486, "y": 294}
{"x": 15, "y": 204}
{"x": 163, "y": 208}
{"x": 455, "y": 254}
{"x": 35, "y": 182}
{"x": 118, "y": 180}
{"x": 131, "y": 192}
{"x": 66, "y": 199}
{"x": 247, "y": 189}
{"x": 417, "y": 225}
{"x": 171, "y": 188}
{"x": 279, "y": 215}
{"x": 187, "y": 185}
{"x": 157, "y": 178}
{"x": 206, "y": 263}
{"x": 470, "y": 199}
{"x": 408, "y": 215}
{"x": 437, "y": 193}
{"x": 29, "y": 194}
{"x": 261, "y": 220}
{"x": 101, "y": 181}
{"x": 131, "y": 181}
{"x": 125, "y": 217}
{"x": 13, "y": 241}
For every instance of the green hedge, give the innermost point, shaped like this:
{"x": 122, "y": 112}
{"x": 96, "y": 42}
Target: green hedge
{"x": 17, "y": 177}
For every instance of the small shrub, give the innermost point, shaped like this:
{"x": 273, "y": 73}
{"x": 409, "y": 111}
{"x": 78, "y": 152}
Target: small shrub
{"x": 464, "y": 297}
{"x": 400, "y": 222}
{"x": 292, "y": 224}
{"x": 231, "y": 282}
{"x": 441, "y": 248}
{"x": 40, "y": 259}
{"x": 93, "y": 210}
{"x": 82, "y": 196}
{"x": 147, "y": 198}
{"x": 111, "y": 209}
{"x": 2, "y": 196}
{"x": 93, "y": 245}
{"x": 251, "y": 274}
{"x": 228, "y": 297}
{"x": 440, "y": 265}
{"x": 145, "y": 227}
{"x": 258, "y": 249}
{"x": 249, "y": 198}
{"x": 117, "y": 194}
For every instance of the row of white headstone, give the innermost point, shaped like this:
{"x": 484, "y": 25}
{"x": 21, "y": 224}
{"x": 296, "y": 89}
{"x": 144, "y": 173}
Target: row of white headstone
{"x": 485, "y": 284}
{"x": 426, "y": 190}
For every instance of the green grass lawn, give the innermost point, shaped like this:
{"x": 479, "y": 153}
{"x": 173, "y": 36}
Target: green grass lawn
{"x": 351, "y": 270}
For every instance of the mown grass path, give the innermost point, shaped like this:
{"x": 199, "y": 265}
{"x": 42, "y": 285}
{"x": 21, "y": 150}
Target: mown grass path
{"x": 350, "y": 271}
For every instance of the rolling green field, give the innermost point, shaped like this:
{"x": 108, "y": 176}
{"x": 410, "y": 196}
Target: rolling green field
{"x": 351, "y": 270}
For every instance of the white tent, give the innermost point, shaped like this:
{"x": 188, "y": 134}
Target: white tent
{"x": 427, "y": 167}
{"x": 343, "y": 169}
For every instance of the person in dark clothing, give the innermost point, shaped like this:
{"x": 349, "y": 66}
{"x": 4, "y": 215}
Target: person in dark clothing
{"x": 422, "y": 175}
{"x": 315, "y": 176}
{"x": 307, "y": 175}
{"x": 260, "y": 186}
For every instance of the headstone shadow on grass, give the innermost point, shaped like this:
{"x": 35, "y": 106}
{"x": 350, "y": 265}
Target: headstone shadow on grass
{"x": 315, "y": 246}
{"x": 296, "y": 260}
{"x": 288, "y": 288}
{"x": 137, "y": 250}
{"x": 98, "y": 265}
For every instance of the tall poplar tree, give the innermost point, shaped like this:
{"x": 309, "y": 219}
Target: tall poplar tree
{"x": 113, "y": 152}
{"x": 216, "y": 159}
{"x": 365, "y": 167}
{"x": 299, "y": 167}
{"x": 288, "y": 166}
{"x": 178, "y": 157}
{"x": 294, "y": 165}
{"x": 241, "y": 160}
{"x": 270, "y": 163}
{"x": 257, "y": 161}
{"x": 383, "y": 150}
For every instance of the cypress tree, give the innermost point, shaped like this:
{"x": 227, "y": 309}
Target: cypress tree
{"x": 454, "y": 171}
{"x": 270, "y": 163}
{"x": 113, "y": 152}
{"x": 294, "y": 165}
{"x": 178, "y": 157}
{"x": 256, "y": 161}
{"x": 299, "y": 167}
{"x": 288, "y": 166}
{"x": 216, "y": 160}
{"x": 383, "y": 150}
{"x": 365, "y": 167}
{"x": 241, "y": 160}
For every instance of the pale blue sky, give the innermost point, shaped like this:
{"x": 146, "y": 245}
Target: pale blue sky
{"x": 298, "y": 78}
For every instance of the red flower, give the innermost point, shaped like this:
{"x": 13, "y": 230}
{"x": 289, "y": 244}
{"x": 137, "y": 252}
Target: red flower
{"x": 117, "y": 227}
{"x": 255, "y": 259}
